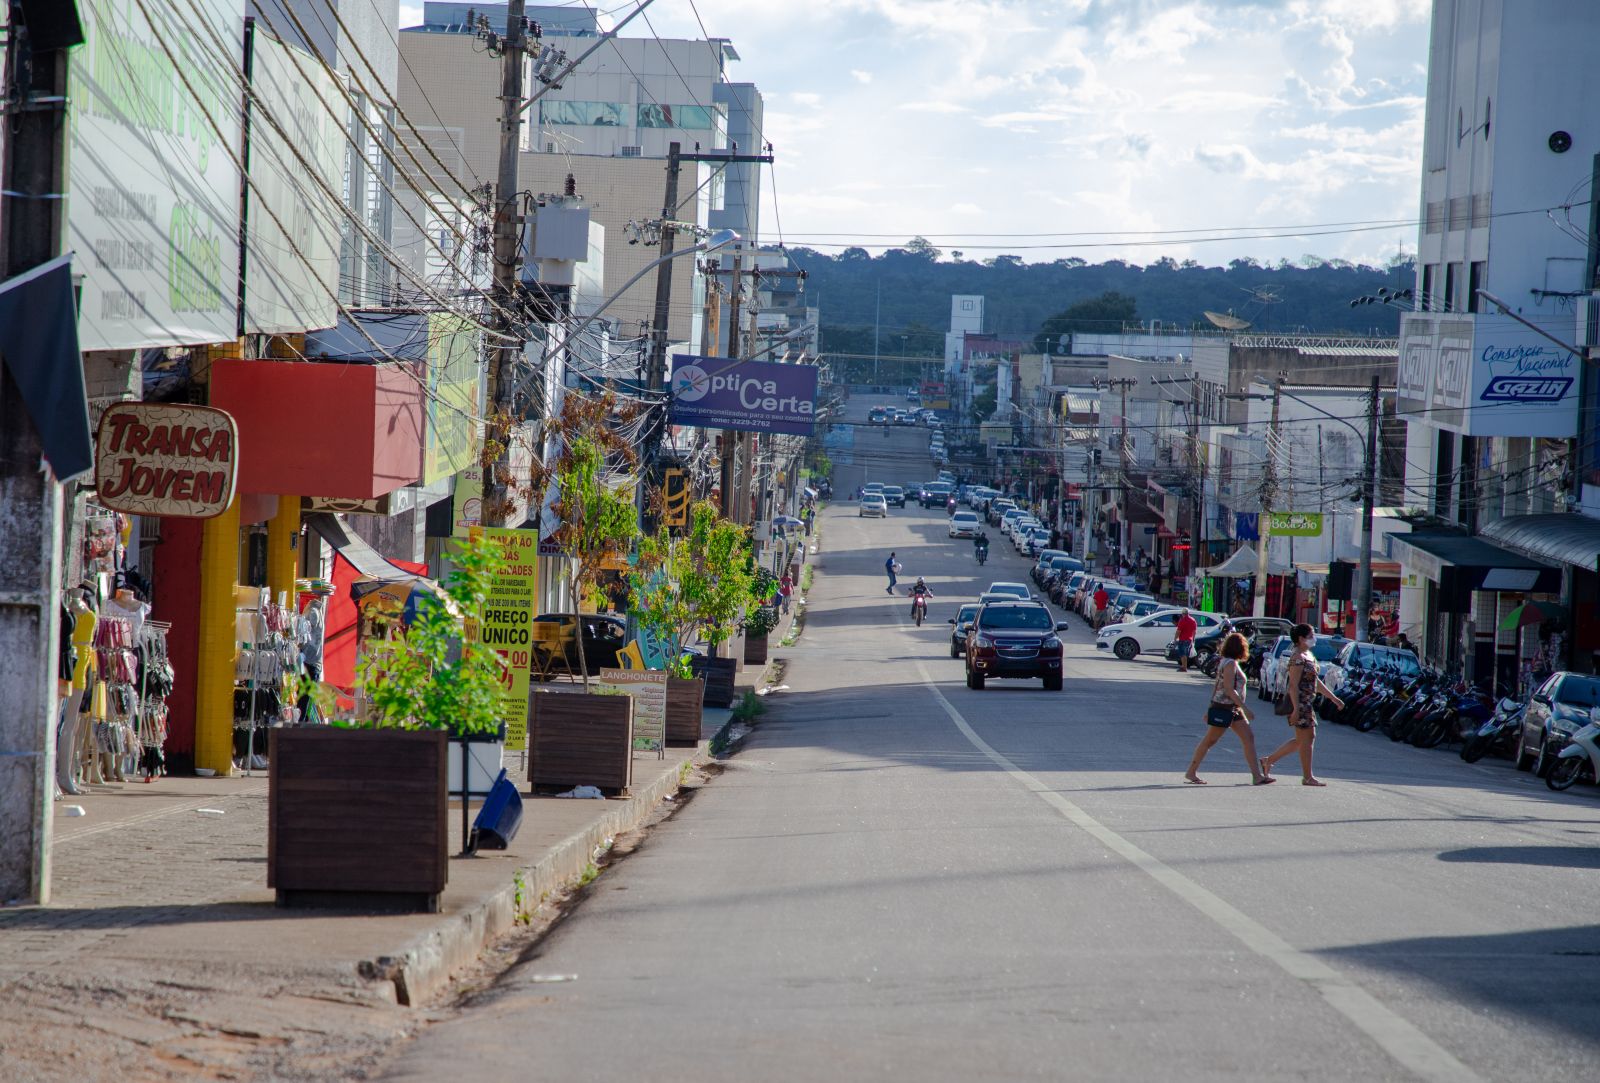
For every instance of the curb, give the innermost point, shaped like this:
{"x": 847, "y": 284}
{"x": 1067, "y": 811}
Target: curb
{"x": 423, "y": 967}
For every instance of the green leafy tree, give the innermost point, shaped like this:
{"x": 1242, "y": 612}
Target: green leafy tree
{"x": 699, "y": 582}
{"x": 1107, "y": 312}
{"x": 436, "y": 674}
{"x": 597, "y": 521}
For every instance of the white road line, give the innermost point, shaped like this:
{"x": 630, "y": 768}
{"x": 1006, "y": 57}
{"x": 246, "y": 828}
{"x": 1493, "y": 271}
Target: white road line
{"x": 1409, "y": 1047}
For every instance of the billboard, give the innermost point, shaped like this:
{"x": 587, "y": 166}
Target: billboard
{"x": 153, "y": 209}
{"x": 288, "y": 209}
{"x": 750, "y": 396}
{"x": 1485, "y": 374}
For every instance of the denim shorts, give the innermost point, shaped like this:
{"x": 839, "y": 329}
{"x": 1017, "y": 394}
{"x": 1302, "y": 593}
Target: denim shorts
{"x": 1185, "y": 648}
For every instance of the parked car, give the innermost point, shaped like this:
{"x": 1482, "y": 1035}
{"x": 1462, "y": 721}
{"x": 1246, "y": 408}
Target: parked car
{"x": 894, "y": 496}
{"x": 1125, "y": 603}
{"x": 1014, "y": 639}
{"x": 965, "y": 524}
{"x": 1042, "y": 563}
{"x": 997, "y": 508}
{"x": 873, "y": 506}
{"x": 1259, "y": 632}
{"x": 1556, "y": 710}
{"x": 1064, "y": 590}
{"x": 603, "y": 637}
{"x": 1365, "y": 658}
{"x": 1149, "y": 634}
{"x": 1007, "y": 519}
{"x": 961, "y": 624}
{"x": 1034, "y": 539}
{"x": 1020, "y": 590}
{"x": 1275, "y": 665}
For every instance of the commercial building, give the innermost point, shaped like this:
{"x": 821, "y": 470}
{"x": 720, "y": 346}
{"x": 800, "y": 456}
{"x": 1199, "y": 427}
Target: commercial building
{"x": 1490, "y": 375}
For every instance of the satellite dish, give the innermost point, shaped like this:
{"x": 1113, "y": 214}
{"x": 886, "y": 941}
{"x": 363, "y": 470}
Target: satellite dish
{"x": 1227, "y": 322}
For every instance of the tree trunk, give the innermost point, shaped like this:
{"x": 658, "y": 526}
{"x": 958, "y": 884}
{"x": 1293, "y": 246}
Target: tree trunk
{"x": 577, "y": 608}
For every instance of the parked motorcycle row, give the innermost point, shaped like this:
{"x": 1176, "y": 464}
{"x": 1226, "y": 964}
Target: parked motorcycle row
{"x": 1432, "y": 709}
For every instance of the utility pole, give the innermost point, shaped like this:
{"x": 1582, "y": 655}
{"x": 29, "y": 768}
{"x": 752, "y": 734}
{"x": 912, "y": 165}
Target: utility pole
{"x": 505, "y": 352}
{"x": 1269, "y": 493}
{"x": 1369, "y": 484}
{"x": 1122, "y": 384}
{"x": 730, "y": 441}
{"x": 31, "y": 178}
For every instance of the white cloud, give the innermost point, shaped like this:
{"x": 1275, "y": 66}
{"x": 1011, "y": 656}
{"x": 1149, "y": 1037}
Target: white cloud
{"x": 902, "y": 117}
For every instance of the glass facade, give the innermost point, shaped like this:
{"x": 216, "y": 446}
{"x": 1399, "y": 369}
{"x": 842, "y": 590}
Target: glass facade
{"x": 616, "y": 115}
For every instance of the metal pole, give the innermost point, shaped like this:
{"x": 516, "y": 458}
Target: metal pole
{"x": 1368, "y": 495}
{"x": 31, "y": 175}
{"x": 669, "y": 241}
{"x": 1269, "y": 492}
{"x": 730, "y": 438}
{"x": 506, "y": 349}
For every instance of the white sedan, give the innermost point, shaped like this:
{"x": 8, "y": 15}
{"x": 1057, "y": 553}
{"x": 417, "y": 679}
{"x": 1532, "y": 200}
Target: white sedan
{"x": 965, "y": 524}
{"x": 1152, "y": 633}
{"x": 873, "y": 504}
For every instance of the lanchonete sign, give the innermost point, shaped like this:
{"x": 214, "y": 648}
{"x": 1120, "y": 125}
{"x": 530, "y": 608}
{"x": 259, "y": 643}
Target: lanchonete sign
{"x": 158, "y": 459}
{"x": 752, "y": 396}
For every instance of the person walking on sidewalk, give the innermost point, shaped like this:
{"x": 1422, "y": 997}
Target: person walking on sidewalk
{"x": 1187, "y": 626}
{"x": 1303, "y": 685}
{"x": 1227, "y": 711}
{"x": 1101, "y": 600}
{"x": 891, "y": 566}
{"x": 785, "y": 589}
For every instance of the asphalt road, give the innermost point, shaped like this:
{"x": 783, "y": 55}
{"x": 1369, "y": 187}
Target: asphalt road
{"x": 899, "y": 878}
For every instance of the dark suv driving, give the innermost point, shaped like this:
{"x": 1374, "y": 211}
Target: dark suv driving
{"x": 1014, "y": 639}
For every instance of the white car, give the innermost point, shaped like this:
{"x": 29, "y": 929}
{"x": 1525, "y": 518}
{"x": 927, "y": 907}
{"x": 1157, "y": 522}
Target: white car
{"x": 1275, "y": 665}
{"x": 1033, "y": 539}
{"x": 1009, "y": 519}
{"x": 965, "y": 524}
{"x": 1152, "y": 633}
{"x": 1019, "y": 589}
{"x": 873, "y": 504}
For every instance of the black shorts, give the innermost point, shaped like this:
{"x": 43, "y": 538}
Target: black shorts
{"x": 1223, "y": 715}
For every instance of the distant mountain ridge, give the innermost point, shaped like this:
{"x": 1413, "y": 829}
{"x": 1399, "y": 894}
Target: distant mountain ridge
{"x": 915, "y": 287}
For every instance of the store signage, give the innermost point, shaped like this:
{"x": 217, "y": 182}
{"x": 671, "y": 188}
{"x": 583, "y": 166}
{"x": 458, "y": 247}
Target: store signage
{"x": 750, "y": 396}
{"x": 160, "y": 459}
{"x": 1294, "y": 524}
{"x": 508, "y": 623}
{"x": 648, "y": 688}
{"x": 1487, "y": 375}
{"x": 154, "y": 213}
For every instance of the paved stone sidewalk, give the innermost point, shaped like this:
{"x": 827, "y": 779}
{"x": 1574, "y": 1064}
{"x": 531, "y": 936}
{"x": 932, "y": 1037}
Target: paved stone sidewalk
{"x": 162, "y": 956}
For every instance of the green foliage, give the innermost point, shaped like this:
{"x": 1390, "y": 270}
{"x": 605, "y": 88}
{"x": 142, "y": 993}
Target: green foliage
{"x": 760, "y": 620}
{"x": 749, "y": 708}
{"x": 596, "y": 519}
{"x": 435, "y": 675}
{"x": 699, "y": 581}
{"x": 1109, "y": 310}
{"x": 915, "y": 294}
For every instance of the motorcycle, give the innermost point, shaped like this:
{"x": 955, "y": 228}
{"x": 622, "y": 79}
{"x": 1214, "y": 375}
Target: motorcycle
{"x": 919, "y": 608}
{"x": 981, "y": 552}
{"x": 1579, "y": 761}
{"x": 1495, "y": 734}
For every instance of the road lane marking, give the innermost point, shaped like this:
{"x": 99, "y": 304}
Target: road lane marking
{"x": 1408, "y": 1046}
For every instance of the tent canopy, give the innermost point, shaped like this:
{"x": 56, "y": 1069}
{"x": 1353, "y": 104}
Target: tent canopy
{"x": 1242, "y": 564}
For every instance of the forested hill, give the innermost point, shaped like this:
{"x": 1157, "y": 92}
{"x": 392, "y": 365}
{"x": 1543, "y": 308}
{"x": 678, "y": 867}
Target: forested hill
{"x": 916, "y": 283}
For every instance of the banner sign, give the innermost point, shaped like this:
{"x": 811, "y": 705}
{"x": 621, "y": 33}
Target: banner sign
{"x": 750, "y": 396}
{"x": 508, "y": 623}
{"x": 154, "y": 206}
{"x": 648, "y": 687}
{"x": 1488, "y": 375}
{"x": 1294, "y": 524}
{"x": 153, "y": 458}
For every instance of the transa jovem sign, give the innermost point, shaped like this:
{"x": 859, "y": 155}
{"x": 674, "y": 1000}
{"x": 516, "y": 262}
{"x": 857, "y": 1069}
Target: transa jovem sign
{"x": 752, "y": 396}
{"x": 153, "y": 458}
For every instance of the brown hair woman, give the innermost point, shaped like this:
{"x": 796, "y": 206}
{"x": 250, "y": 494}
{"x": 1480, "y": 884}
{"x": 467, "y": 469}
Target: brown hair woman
{"x": 1302, "y": 687}
{"x": 1227, "y": 711}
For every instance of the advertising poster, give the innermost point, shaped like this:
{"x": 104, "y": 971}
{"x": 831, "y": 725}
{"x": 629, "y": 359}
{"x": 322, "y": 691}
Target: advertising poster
{"x": 648, "y": 687}
{"x": 750, "y": 396}
{"x": 508, "y": 623}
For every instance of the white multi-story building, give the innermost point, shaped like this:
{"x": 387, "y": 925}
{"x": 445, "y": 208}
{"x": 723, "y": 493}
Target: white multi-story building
{"x": 1490, "y": 389}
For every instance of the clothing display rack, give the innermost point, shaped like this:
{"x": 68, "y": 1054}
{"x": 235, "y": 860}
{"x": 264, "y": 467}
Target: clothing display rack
{"x": 267, "y": 653}
{"x": 156, "y": 678}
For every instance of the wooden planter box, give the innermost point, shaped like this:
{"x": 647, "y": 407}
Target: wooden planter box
{"x": 356, "y": 818}
{"x": 755, "y": 649}
{"x": 719, "y": 676}
{"x": 580, "y": 739}
{"x": 685, "y": 710}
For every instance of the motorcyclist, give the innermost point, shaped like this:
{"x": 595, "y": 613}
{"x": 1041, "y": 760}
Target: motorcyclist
{"x": 921, "y": 590}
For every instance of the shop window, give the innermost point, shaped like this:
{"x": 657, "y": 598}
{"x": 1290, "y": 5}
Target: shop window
{"x": 1475, "y": 278}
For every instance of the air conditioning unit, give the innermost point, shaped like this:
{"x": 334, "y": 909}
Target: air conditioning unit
{"x": 1589, "y": 321}
{"x": 632, "y": 152}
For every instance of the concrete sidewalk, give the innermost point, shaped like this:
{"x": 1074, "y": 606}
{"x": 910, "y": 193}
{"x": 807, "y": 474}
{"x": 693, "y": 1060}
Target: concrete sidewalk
{"x": 162, "y": 949}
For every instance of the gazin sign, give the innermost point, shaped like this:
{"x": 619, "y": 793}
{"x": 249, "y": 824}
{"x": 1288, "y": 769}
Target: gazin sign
{"x": 158, "y": 459}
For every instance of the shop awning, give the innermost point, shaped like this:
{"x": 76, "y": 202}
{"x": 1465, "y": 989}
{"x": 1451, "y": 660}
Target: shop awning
{"x": 1479, "y": 564}
{"x": 1243, "y": 564}
{"x": 366, "y": 560}
{"x": 1563, "y": 539}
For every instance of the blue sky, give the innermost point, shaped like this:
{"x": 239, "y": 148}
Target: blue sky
{"x": 966, "y": 120}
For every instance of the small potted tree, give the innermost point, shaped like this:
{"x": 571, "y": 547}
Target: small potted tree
{"x": 585, "y": 738}
{"x": 760, "y": 618}
{"x": 356, "y": 812}
{"x": 729, "y": 572}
